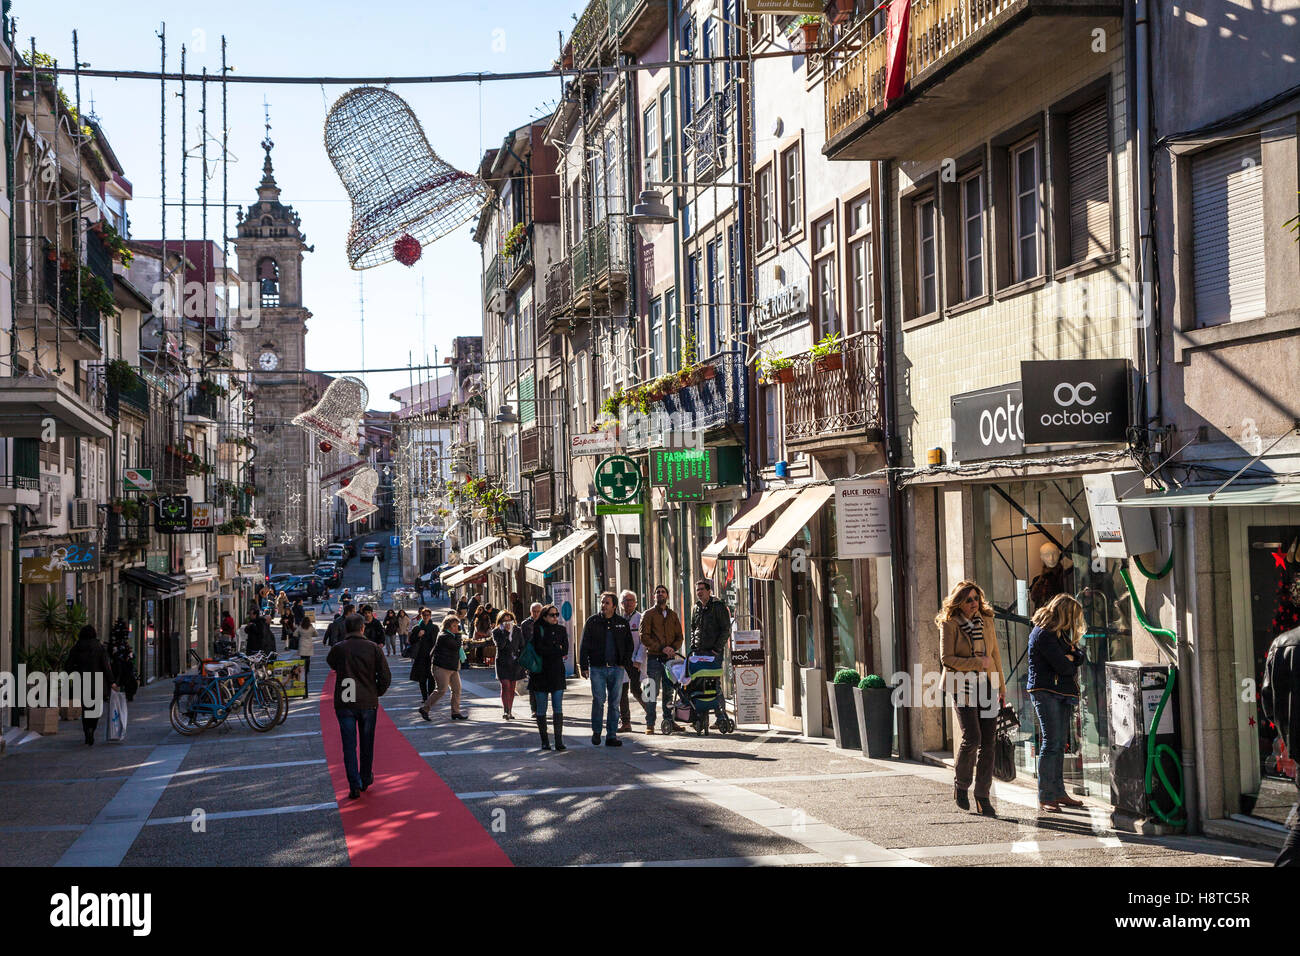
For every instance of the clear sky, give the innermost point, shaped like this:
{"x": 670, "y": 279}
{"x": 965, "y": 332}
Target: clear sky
{"x": 379, "y": 38}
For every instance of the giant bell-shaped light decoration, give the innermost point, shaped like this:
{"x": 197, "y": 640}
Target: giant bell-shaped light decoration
{"x": 403, "y": 194}
{"x": 359, "y": 494}
{"x": 337, "y": 416}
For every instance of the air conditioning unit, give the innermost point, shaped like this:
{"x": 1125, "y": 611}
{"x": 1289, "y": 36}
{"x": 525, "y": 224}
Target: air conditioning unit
{"x": 83, "y": 513}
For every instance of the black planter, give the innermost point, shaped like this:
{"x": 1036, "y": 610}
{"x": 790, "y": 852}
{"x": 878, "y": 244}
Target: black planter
{"x": 844, "y": 716}
{"x": 875, "y": 719}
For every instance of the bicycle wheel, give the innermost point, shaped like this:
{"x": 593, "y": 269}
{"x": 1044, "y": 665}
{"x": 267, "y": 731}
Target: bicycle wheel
{"x": 261, "y": 706}
{"x": 192, "y": 714}
{"x": 277, "y": 691}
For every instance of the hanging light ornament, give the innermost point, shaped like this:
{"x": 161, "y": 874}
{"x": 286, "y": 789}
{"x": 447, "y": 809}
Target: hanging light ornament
{"x": 338, "y": 414}
{"x": 360, "y": 494}
{"x": 403, "y": 194}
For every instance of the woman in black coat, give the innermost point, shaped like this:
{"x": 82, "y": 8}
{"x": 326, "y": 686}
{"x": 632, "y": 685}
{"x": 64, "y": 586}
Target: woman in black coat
{"x": 421, "y": 658}
{"x": 89, "y": 657}
{"x": 446, "y": 668}
{"x": 123, "y": 658}
{"x": 509, "y": 639}
{"x": 551, "y": 642}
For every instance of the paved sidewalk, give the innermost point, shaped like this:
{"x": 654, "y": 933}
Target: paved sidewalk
{"x": 753, "y": 797}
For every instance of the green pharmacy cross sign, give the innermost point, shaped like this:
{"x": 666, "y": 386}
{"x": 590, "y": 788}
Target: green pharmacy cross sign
{"x": 618, "y": 479}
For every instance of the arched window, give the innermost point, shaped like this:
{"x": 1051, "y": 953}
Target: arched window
{"x": 268, "y": 279}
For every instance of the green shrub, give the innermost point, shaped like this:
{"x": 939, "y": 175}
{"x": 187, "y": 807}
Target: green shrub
{"x": 847, "y": 676}
{"x": 872, "y": 682}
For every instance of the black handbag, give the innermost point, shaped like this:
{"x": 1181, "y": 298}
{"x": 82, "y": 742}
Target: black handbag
{"x": 1004, "y": 748}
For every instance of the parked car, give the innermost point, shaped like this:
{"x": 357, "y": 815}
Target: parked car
{"x": 330, "y": 573}
{"x": 338, "y": 553}
{"x": 372, "y": 550}
{"x": 295, "y": 588}
{"x": 277, "y": 580}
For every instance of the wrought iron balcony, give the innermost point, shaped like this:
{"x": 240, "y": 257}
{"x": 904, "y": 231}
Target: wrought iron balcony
{"x": 515, "y": 266}
{"x": 708, "y": 136}
{"x": 715, "y": 399}
{"x": 519, "y": 511}
{"x": 136, "y": 395}
{"x": 834, "y": 404}
{"x": 635, "y": 23}
{"x": 559, "y": 288}
{"x": 492, "y": 277}
{"x": 945, "y": 38}
{"x": 600, "y": 261}
{"x": 203, "y": 405}
{"x": 590, "y": 33}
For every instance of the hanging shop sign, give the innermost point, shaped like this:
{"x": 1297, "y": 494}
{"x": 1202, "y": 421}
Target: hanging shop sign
{"x": 747, "y": 665}
{"x": 862, "y": 518}
{"x": 618, "y": 479}
{"x": 1119, "y": 532}
{"x": 632, "y": 508}
{"x": 137, "y": 479}
{"x": 80, "y": 557}
{"x": 594, "y": 443}
{"x": 988, "y": 423}
{"x": 784, "y": 6}
{"x": 41, "y": 570}
{"x": 683, "y": 473}
{"x": 172, "y": 514}
{"x": 257, "y": 539}
{"x": 1079, "y": 400}
{"x": 204, "y": 517}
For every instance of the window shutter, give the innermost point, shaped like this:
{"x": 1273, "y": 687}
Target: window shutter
{"x": 527, "y": 392}
{"x": 1228, "y": 233}
{"x": 1089, "y": 158}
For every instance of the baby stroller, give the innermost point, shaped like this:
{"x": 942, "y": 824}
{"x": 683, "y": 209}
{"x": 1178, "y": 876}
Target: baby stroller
{"x": 697, "y": 692}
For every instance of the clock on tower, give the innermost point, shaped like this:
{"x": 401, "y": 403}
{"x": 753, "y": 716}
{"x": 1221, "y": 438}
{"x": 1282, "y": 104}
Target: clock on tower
{"x": 269, "y": 361}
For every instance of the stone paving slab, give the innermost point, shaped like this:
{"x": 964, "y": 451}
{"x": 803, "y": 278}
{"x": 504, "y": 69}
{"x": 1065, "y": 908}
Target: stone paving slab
{"x": 307, "y": 839}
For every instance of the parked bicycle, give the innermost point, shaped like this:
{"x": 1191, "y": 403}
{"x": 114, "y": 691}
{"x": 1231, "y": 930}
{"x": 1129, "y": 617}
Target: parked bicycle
{"x": 208, "y": 698}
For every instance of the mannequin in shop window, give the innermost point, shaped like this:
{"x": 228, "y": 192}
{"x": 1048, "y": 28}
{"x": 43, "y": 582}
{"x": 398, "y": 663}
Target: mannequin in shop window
{"x": 1051, "y": 580}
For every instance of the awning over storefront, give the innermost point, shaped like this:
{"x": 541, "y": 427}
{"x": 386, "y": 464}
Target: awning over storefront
{"x": 479, "y": 570}
{"x": 482, "y": 544}
{"x": 766, "y": 551}
{"x": 515, "y": 558}
{"x": 758, "y": 507}
{"x": 537, "y": 569}
{"x": 709, "y": 556}
{"x": 166, "y": 585}
{"x": 450, "y": 528}
{"x": 451, "y": 572}
{"x": 1234, "y": 496}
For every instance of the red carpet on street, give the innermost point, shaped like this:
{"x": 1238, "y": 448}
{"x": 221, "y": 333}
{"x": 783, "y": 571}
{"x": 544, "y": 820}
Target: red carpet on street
{"x": 409, "y": 816}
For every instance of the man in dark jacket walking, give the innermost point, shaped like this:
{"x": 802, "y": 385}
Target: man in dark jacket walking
{"x": 89, "y": 658}
{"x": 1279, "y": 696}
{"x": 335, "y": 633}
{"x": 260, "y": 636}
{"x": 361, "y": 678}
{"x": 604, "y": 655}
{"x": 374, "y": 629}
{"x": 710, "y": 621}
{"x": 531, "y": 626}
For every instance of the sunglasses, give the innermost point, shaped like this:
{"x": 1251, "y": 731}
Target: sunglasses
{"x": 553, "y": 614}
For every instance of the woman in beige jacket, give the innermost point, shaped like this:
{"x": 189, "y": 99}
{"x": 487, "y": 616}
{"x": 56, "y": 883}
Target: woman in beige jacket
{"x": 973, "y": 666}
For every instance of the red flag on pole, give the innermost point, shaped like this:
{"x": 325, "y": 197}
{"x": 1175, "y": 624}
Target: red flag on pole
{"x": 897, "y": 39}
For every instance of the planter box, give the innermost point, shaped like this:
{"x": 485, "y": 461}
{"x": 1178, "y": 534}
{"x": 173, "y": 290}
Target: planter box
{"x": 43, "y": 720}
{"x": 844, "y": 716}
{"x": 831, "y": 363}
{"x": 875, "y": 719}
{"x": 784, "y": 376}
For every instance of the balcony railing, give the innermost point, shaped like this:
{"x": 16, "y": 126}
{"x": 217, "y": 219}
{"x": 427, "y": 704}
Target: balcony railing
{"x": 600, "y": 260}
{"x": 833, "y": 403}
{"x": 857, "y": 64}
{"x": 57, "y": 289}
{"x": 521, "y": 257}
{"x": 559, "y": 288}
{"x": 708, "y": 135}
{"x": 204, "y": 405}
{"x": 519, "y": 511}
{"x": 590, "y": 32}
{"x": 714, "y": 402}
{"x": 136, "y": 395}
{"x": 492, "y": 277}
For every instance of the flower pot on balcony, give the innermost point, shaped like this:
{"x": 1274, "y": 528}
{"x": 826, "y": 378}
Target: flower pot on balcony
{"x": 783, "y": 376}
{"x": 831, "y": 363}
{"x": 810, "y": 32}
{"x": 708, "y": 372}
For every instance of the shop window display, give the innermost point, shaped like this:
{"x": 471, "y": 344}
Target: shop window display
{"x": 1036, "y": 541}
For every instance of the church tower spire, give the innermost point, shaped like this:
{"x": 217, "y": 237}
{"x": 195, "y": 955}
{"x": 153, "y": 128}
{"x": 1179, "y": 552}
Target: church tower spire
{"x": 268, "y": 190}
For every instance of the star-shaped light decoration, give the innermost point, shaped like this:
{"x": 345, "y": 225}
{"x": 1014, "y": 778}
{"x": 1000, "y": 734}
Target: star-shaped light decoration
{"x": 287, "y": 537}
{"x": 1279, "y": 559}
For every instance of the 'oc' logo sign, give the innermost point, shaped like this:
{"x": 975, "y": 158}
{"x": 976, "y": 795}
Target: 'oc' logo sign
{"x": 1083, "y": 400}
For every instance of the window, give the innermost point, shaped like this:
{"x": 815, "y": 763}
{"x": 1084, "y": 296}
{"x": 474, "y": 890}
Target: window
{"x": 712, "y": 340}
{"x": 771, "y": 424}
{"x": 688, "y": 53}
{"x": 791, "y": 191}
{"x": 860, "y": 281}
{"x": 764, "y": 212}
{"x": 825, "y": 317}
{"x": 666, "y": 135}
{"x": 652, "y": 140}
{"x": 672, "y": 333}
{"x": 1088, "y": 181}
{"x": 972, "y": 235}
{"x": 707, "y": 34}
{"x": 1228, "y": 233}
{"x": 658, "y": 360}
{"x": 596, "y": 170}
{"x": 1026, "y": 229}
{"x": 927, "y": 290}
{"x": 614, "y": 193}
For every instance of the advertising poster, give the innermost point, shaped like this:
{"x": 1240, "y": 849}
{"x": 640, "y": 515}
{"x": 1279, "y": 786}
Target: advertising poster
{"x": 292, "y": 675}
{"x": 749, "y": 674}
{"x": 562, "y": 598}
{"x": 862, "y": 518}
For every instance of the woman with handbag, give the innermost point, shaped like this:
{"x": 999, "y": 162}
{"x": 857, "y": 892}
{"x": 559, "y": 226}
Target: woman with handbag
{"x": 447, "y": 657}
{"x": 970, "y": 656}
{"x": 550, "y": 643}
{"x": 421, "y": 649}
{"x": 1054, "y": 659}
{"x": 509, "y": 641}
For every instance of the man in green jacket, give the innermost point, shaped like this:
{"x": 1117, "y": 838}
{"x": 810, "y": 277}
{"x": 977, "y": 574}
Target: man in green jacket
{"x": 710, "y": 621}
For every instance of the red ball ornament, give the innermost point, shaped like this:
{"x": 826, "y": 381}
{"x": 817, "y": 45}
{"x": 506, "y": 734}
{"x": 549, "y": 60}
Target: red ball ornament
{"x": 325, "y": 446}
{"x": 406, "y": 249}
{"x": 343, "y": 482}
{"x": 352, "y": 507}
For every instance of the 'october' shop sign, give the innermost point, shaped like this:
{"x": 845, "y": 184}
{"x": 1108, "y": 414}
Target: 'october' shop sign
{"x": 862, "y": 518}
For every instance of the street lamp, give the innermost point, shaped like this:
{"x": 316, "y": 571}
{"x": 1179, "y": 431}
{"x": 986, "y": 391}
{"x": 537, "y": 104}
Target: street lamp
{"x": 651, "y": 210}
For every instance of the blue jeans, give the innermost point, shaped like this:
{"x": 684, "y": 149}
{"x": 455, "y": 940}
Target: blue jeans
{"x": 606, "y": 682}
{"x": 557, "y": 702}
{"x": 327, "y": 605}
{"x": 1054, "y": 713}
{"x": 350, "y": 722}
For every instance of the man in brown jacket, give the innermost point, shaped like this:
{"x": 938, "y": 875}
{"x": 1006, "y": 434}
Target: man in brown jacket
{"x": 661, "y": 633}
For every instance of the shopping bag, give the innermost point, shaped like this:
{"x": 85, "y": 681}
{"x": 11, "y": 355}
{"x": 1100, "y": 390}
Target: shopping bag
{"x": 117, "y": 716}
{"x": 529, "y": 659}
{"x": 1004, "y": 747}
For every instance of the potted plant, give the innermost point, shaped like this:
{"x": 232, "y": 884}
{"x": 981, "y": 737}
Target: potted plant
{"x": 610, "y": 406}
{"x": 810, "y": 24}
{"x": 844, "y": 714}
{"x": 513, "y": 239}
{"x": 875, "y": 708}
{"x": 778, "y": 369}
{"x": 828, "y": 354}
{"x": 119, "y": 374}
{"x": 49, "y": 618}
{"x": 130, "y": 508}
